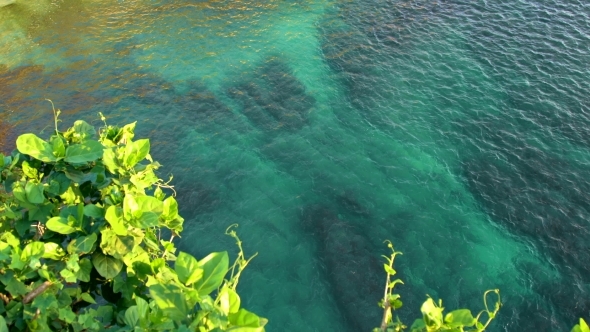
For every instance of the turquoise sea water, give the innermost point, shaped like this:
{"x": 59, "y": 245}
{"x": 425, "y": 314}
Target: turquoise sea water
{"x": 460, "y": 130}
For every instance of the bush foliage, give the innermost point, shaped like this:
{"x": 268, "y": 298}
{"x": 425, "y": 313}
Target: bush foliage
{"x": 86, "y": 242}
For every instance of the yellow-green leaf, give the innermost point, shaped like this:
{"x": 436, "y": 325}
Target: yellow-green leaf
{"x": 35, "y": 147}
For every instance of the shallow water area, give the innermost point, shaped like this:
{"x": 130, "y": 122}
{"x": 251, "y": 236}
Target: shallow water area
{"x": 456, "y": 130}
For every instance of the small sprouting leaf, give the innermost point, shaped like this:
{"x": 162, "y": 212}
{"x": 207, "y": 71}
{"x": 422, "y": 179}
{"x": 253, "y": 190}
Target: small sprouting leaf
{"x": 61, "y": 225}
{"x": 159, "y": 194}
{"x": 389, "y": 270}
{"x": 72, "y": 263}
{"x": 58, "y": 145}
{"x": 215, "y": 266}
{"x": 86, "y": 151}
{"x": 395, "y": 282}
{"x": 187, "y": 268}
{"x": 126, "y": 133}
{"x": 35, "y": 147}
{"x": 29, "y": 171}
{"x": 432, "y": 313}
{"x": 108, "y": 267}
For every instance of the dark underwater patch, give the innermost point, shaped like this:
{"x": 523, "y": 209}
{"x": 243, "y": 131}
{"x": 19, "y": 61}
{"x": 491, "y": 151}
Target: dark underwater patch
{"x": 353, "y": 268}
{"x": 274, "y": 99}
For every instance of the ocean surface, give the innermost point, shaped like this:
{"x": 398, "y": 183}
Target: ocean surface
{"x": 459, "y": 130}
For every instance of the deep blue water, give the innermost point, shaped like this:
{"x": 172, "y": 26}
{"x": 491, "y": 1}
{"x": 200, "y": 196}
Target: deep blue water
{"x": 459, "y": 130}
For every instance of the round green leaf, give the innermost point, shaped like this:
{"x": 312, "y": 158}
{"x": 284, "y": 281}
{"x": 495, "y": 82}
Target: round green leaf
{"x": 115, "y": 245}
{"x": 149, "y": 203}
{"x": 35, "y": 147}
{"x": 53, "y": 251}
{"x": 86, "y": 151}
{"x": 170, "y": 299}
{"x": 83, "y": 130}
{"x": 82, "y": 244}
{"x": 107, "y": 266}
{"x": 60, "y": 225}
{"x": 170, "y": 208}
{"x": 33, "y": 250}
{"x": 34, "y": 192}
{"x": 460, "y": 317}
{"x": 83, "y": 274}
{"x": 93, "y": 211}
{"x": 131, "y": 317}
{"x": 245, "y": 318}
{"x": 229, "y": 301}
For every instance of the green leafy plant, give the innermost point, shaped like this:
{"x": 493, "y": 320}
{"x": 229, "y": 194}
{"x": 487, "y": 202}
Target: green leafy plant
{"x": 432, "y": 312}
{"x": 83, "y": 218}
